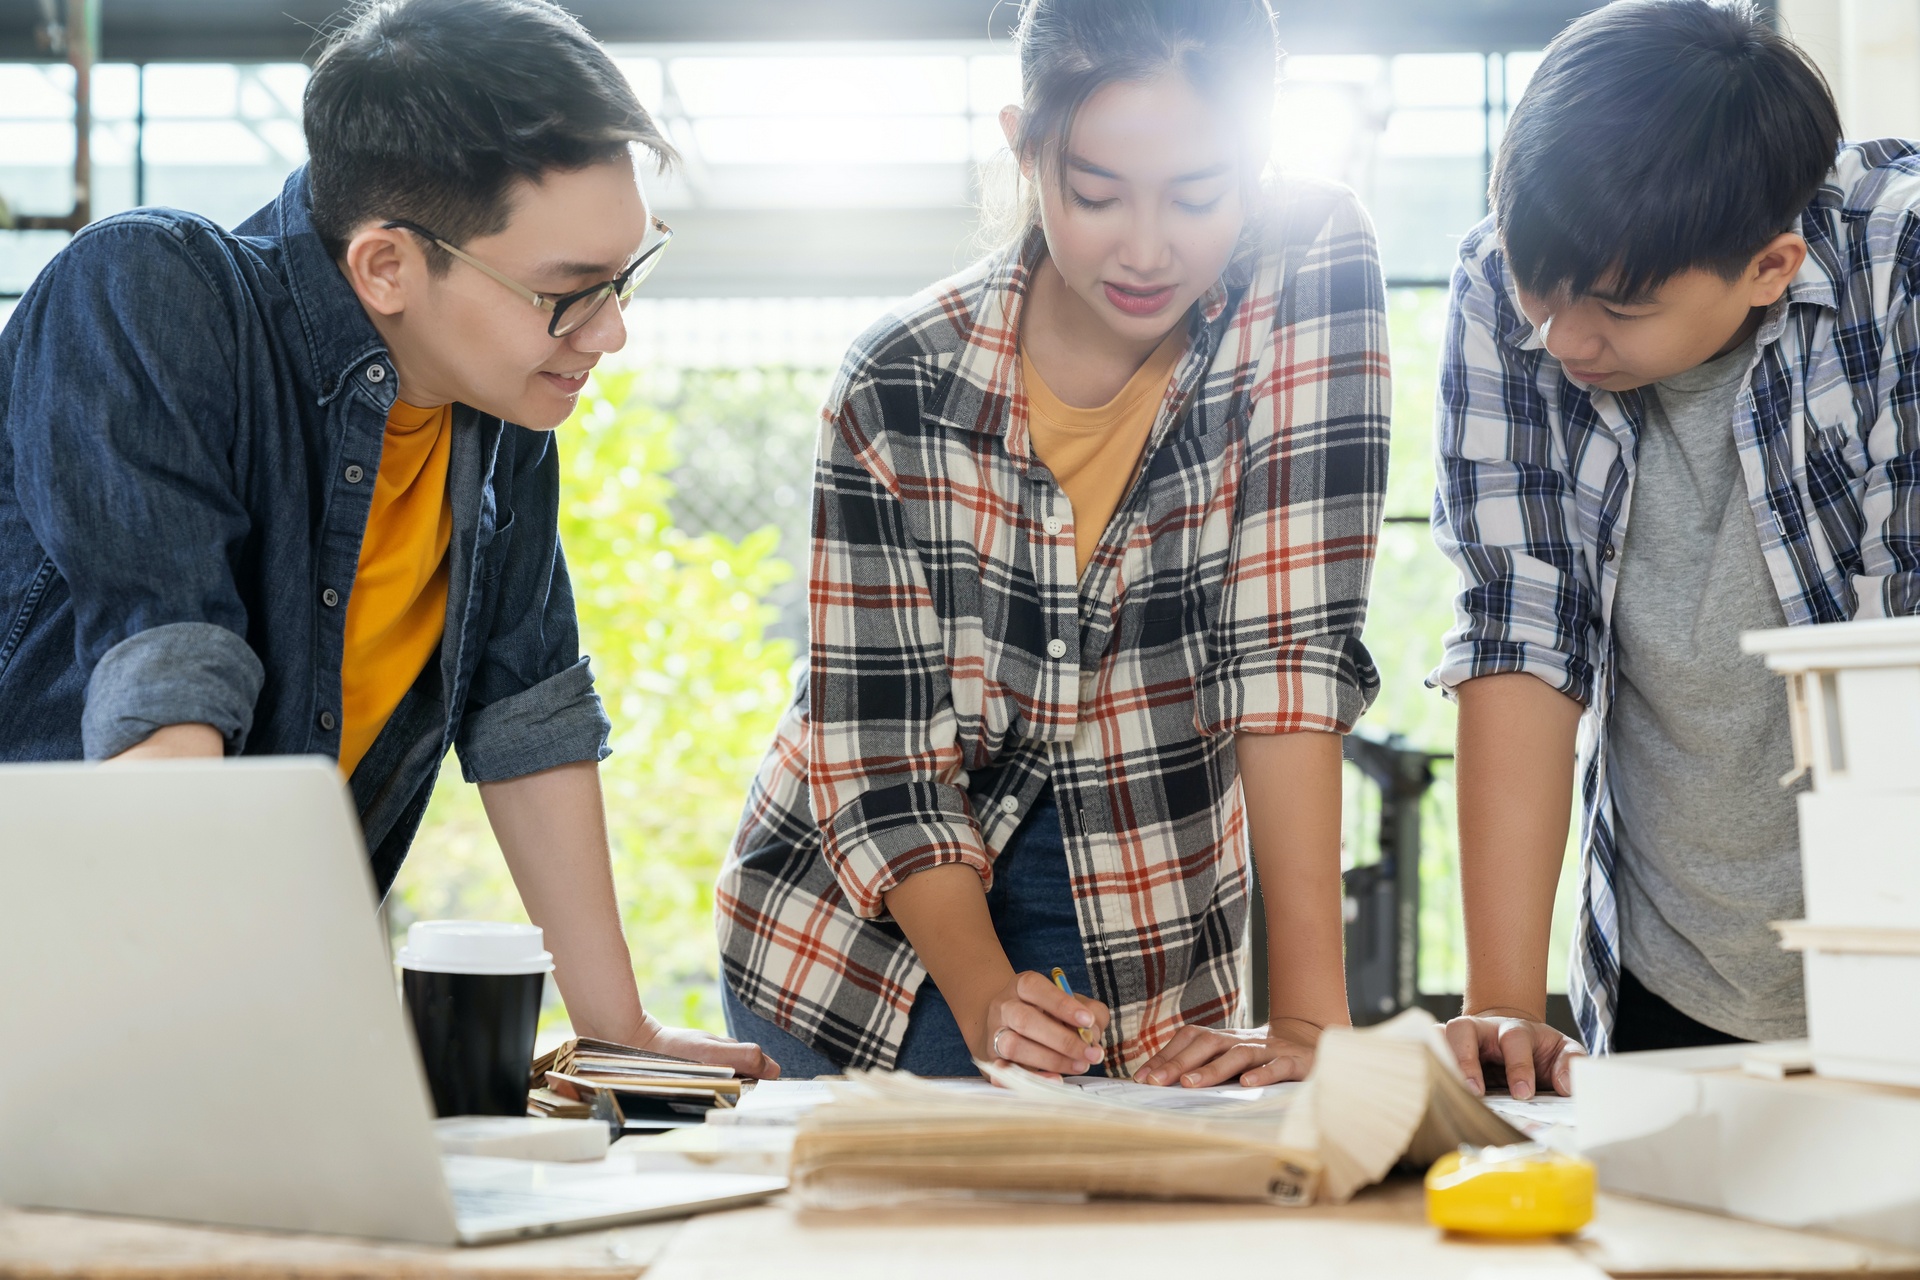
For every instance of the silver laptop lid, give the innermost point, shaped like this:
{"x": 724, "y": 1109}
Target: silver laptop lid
{"x": 197, "y": 1014}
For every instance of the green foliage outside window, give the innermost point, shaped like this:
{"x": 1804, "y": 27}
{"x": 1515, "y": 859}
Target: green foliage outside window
{"x": 1409, "y": 612}
{"x": 676, "y": 625}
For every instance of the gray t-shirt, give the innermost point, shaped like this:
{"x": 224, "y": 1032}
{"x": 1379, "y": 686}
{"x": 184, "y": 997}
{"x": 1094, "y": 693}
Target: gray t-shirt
{"x": 1709, "y": 847}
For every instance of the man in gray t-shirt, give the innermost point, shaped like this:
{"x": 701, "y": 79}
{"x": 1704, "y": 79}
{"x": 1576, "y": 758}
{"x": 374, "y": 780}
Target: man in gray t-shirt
{"x": 1708, "y": 842}
{"x": 1676, "y": 403}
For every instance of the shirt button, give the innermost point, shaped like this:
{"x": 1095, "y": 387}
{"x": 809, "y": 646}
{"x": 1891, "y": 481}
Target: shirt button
{"x": 330, "y": 597}
{"x": 1051, "y": 524}
{"x": 1056, "y": 648}
{"x": 355, "y": 475}
{"x": 327, "y": 721}
{"x": 1009, "y": 805}
{"x": 376, "y": 373}
{"x": 1608, "y": 553}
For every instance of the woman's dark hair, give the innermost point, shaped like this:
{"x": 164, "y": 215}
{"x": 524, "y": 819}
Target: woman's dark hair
{"x": 429, "y": 110}
{"x": 1656, "y": 137}
{"x": 1070, "y": 49}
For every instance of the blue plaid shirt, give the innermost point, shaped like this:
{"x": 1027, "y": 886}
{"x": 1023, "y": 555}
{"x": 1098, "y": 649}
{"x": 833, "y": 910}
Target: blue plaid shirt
{"x": 1536, "y": 481}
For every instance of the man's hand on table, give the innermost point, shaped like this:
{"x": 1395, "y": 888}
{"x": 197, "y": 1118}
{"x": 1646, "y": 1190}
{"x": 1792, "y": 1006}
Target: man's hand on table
{"x": 701, "y": 1046}
{"x": 177, "y": 742}
{"x": 1534, "y": 1055}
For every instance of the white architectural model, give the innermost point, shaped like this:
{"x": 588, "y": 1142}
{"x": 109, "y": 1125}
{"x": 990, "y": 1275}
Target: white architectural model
{"x": 1854, "y": 690}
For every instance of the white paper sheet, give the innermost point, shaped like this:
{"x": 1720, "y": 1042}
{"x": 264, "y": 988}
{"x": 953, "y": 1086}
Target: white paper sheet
{"x": 1221, "y": 1099}
{"x": 1545, "y": 1118}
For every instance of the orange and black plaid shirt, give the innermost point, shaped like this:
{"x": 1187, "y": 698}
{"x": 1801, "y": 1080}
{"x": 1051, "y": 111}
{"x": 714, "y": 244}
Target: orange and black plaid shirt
{"x": 958, "y": 664}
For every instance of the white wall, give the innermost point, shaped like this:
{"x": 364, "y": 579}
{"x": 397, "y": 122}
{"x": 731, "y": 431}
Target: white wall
{"x": 1870, "y": 53}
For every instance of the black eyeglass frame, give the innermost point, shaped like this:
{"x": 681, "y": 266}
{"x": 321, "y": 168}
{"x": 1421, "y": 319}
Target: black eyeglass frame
{"x": 622, "y": 286}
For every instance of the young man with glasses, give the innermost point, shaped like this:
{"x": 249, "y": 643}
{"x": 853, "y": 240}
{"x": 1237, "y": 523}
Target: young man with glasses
{"x": 293, "y": 488}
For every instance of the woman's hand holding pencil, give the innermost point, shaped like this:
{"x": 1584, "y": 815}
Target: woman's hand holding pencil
{"x": 1041, "y": 1025}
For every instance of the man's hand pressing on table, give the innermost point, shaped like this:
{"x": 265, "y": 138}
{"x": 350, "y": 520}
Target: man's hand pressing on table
{"x": 702, "y": 1046}
{"x": 1536, "y": 1057}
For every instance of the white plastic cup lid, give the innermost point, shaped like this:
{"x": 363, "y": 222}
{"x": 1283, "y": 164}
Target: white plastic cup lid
{"x": 475, "y": 946}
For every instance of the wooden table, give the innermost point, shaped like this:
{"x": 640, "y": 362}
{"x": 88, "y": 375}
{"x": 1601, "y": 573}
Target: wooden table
{"x": 1382, "y": 1233}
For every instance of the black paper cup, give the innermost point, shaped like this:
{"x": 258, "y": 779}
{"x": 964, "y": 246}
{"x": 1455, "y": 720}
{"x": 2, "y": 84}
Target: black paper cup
{"x": 473, "y": 990}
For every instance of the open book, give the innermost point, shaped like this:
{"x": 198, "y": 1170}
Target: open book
{"x": 648, "y": 1090}
{"x": 1384, "y": 1095}
{"x": 1375, "y": 1097}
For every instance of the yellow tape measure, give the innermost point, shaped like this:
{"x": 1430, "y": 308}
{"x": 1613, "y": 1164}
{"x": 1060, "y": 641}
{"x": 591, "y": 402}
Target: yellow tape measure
{"x": 1521, "y": 1190}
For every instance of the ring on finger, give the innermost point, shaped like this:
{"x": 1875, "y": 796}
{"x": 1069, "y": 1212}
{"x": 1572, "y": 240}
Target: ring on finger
{"x": 995, "y": 1044}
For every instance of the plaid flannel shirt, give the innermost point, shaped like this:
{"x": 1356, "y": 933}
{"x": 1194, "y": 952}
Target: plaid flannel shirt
{"x": 958, "y": 663}
{"x": 1536, "y": 481}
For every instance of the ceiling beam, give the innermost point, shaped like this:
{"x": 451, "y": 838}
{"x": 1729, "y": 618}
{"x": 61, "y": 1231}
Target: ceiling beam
{"x": 284, "y": 30}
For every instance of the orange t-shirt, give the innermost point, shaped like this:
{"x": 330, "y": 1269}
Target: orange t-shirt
{"x": 397, "y": 610}
{"x": 1094, "y": 453}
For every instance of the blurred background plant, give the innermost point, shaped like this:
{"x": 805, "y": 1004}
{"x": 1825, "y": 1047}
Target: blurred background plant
{"x": 677, "y": 626}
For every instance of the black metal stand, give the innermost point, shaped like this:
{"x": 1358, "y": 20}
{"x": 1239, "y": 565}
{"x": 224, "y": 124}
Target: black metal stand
{"x": 1381, "y": 899}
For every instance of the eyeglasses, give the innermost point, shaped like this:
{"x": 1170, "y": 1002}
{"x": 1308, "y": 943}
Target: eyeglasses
{"x": 570, "y": 310}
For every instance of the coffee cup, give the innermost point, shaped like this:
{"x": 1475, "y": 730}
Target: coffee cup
{"x": 473, "y": 990}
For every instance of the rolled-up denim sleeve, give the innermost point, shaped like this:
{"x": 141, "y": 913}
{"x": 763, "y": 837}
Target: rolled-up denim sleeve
{"x": 558, "y": 721}
{"x": 179, "y": 673}
{"x": 120, "y": 414}
{"x": 532, "y": 704}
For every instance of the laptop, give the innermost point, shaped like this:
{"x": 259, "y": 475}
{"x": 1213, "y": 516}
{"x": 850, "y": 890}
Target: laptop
{"x": 200, "y": 1022}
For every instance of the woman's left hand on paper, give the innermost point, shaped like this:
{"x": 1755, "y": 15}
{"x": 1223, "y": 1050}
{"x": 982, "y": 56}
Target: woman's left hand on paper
{"x": 1197, "y": 1057}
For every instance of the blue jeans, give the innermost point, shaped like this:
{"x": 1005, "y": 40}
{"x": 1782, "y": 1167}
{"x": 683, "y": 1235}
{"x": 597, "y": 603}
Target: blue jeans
{"x": 1031, "y": 903}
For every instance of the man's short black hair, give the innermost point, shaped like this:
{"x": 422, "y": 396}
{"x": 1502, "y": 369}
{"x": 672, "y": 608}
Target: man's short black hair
{"x": 430, "y": 110}
{"x": 1659, "y": 136}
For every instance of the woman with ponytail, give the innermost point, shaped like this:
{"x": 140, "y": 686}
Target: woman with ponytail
{"x": 1093, "y": 523}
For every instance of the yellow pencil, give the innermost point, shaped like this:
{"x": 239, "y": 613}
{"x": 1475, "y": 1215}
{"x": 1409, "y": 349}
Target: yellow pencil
{"x": 1060, "y": 981}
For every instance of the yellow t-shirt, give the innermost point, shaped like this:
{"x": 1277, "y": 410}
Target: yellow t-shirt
{"x": 397, "y": 610}
{"x": 1094, "y": 453}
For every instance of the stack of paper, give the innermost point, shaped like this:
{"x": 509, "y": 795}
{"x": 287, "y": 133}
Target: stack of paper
{"x": 1376, "y": 1097}
{"x": 550, "y": 1104}
{"x": 897, "y": 1137}
{"x": 652, "y": 1090}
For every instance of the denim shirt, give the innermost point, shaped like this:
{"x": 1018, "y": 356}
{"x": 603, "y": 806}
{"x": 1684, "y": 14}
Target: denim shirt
{"x": 190, "y": 426}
